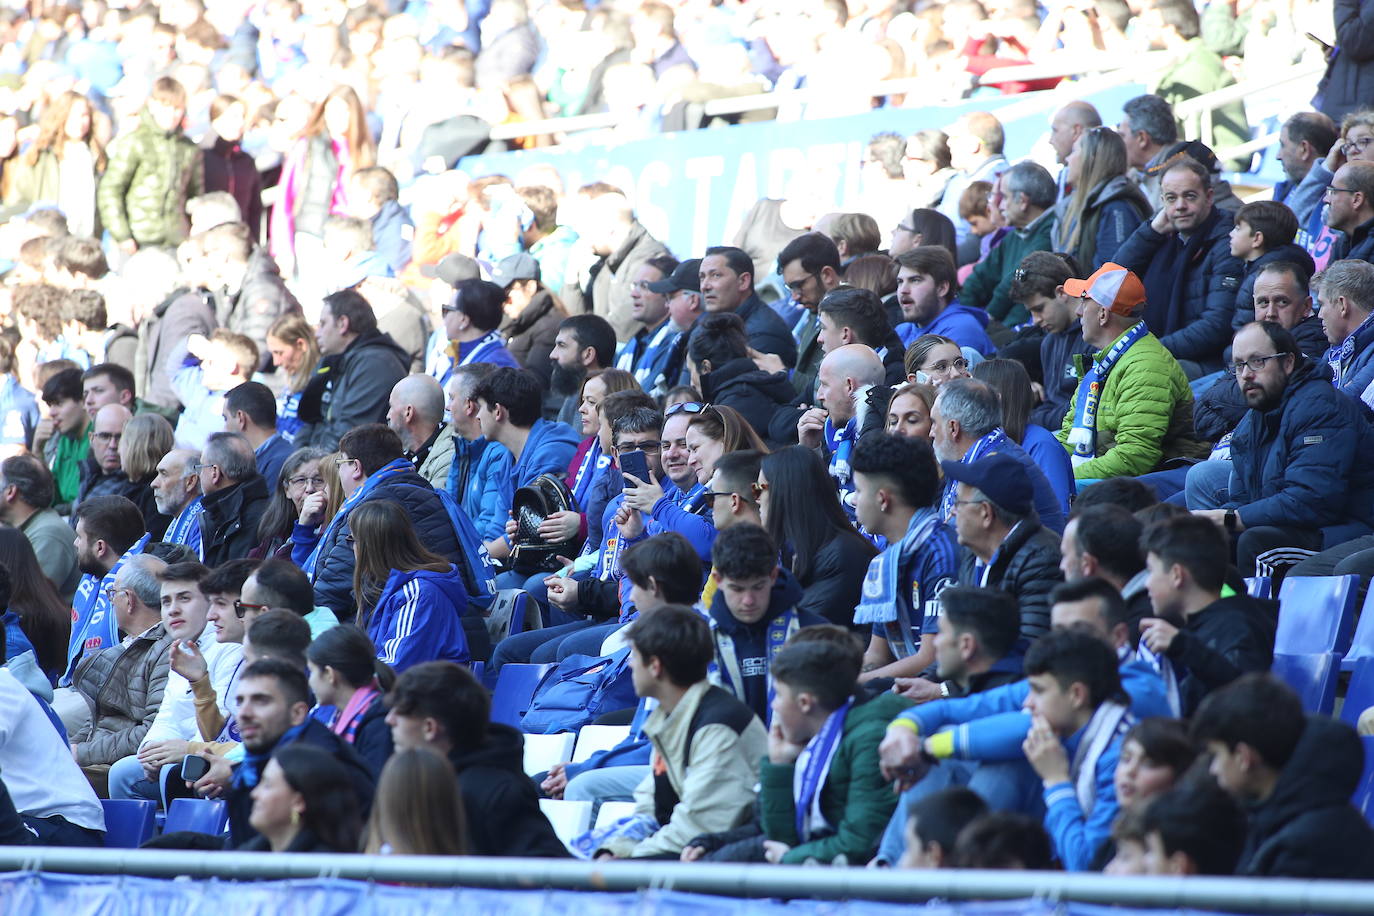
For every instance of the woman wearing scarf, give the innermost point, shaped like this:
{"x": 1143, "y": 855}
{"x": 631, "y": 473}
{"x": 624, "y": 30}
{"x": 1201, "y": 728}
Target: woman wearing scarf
{"x": 346, "y": 674}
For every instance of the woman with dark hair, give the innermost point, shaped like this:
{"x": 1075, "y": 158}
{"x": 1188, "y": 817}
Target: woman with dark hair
{"x": 801, "y": 510}
{"x": 720, "y": 366}
{"x": 418, "y": 810}
{"x": 409, "y": 598}
{"x": 300, "y": 476}
{"x": 923, "y": 226}
{"x": 44, "y": 618}
{"x": 304, "y": 802}
{"x": 345, "y": 673}
{"x": 1105, "y": 206}
{"x": 1013, "y": 386}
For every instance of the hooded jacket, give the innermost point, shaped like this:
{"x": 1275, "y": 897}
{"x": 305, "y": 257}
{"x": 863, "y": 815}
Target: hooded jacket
{"x": 989, "y": 286}
{"x": 743, "y": 651}
{"x": 1228, "y": 638}
{"x": 610, "y": 286}
{"x": 502, "y": 803}
{"x": 1305, "y": 463}
{"x": 530, "y": 337}
{"x": 1307, "y": 827}
{"x": 548, "y": 450}
{"x": 1026, "y": 566}
{"x": 855, "y": 799}
{"x": 476, "y": 479}
{"x": 833, "y": 584}
{"x": 1116, "y": 208}
{"x": 229, "y": 524}
{"x": 150, "y": 175}
{"x": 1144, "y": 415}
{"x": 756, "y": 394}
{"x": 1190, "y": 285}
{"x": 963, "y": 324}
{"x": 416, "y": 619}
{"x": 353, "y": 388}
{"x": 392, "y": 232}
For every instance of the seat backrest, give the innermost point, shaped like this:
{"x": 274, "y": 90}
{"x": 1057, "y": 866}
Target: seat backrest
{"x": 1312, "y": 677}
{"x": 1316, "y": 614}
{"x": 1259, "y": 586}
{"x": 199, "y": 815}
{"x": 569, "y": 819}
{"x": 1362, "y": 645}
{"x": 128, "y": 822}
{"x": 501, "y": 617}
{"x": 544, "y": 751}
{"x": 610, "y": 812}
{"x": 514, "y": 687}
{"x": 1359, "y": 694}
{"x": 1364, "y": 792}
{"x": 593, "y": 738}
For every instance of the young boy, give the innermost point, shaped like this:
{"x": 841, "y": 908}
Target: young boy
{"x": 63, "y": 442}
{"x": 1263, "y": 234}
{"x": 706, "y": 743}
{"x": 1193, "y": 829}
{"x": 752, "y": 614}
{"x": 934, "y": 823}
{"x": 212, "y": 368}
{"x": 153, "y": 170}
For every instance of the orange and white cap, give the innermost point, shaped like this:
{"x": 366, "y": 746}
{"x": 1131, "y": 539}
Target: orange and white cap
{"x": 1112, "y": 286}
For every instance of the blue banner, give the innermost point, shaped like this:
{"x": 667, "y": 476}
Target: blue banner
{"x": 691, "y": 189}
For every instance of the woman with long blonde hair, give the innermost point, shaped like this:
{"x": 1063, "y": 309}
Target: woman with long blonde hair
{"x": 296, "y": 352}
{"x": 1105, "y": 206}
{"x": 418, "y": 809}
{"x": 63, "y": 164}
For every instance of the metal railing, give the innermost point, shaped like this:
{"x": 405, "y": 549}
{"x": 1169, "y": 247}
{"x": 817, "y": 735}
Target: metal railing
{"x": 1247, "y": 895}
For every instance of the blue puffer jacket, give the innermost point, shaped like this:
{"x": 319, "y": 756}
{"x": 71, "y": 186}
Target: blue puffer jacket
{"x": 672, "y": 513}
{"x": 416, "y": 619}
{"x": 480, "y": 469}
{"x": 1357, "y": 246}
{"x": 548, "y": 450}
{"x": 1191, "y": 286}
{"x": 334, "y": 567}
{"x": 1305, "y": 463}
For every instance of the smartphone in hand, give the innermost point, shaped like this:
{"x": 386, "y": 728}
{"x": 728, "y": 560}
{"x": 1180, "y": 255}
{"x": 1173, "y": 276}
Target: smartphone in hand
{"x": 635, "y": 464}
{"x": 194, "y": 767}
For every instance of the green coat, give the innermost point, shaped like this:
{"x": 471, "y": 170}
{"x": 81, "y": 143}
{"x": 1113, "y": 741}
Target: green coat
{"x": 1199, "y": 72}
{"x": 989, "y": 285}
{"x": 855, "y": 799}
{"x": 1144, "y": 416}
{"x": 150, "y": 176}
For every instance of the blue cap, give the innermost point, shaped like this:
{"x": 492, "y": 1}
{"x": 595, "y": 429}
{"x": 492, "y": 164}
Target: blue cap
{"x": 1000, "y": 477}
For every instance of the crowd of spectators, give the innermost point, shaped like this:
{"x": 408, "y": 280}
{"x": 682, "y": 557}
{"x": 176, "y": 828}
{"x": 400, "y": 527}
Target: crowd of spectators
{"x": 917, "y": 534}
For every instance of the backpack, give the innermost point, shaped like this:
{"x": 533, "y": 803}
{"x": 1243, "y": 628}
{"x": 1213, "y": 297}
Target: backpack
{"x": 533, "y": 503}
{"x": 581, "y": 689}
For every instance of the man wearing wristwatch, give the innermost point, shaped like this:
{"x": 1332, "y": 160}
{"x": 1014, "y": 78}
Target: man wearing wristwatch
{"x": 1296, "y": 475}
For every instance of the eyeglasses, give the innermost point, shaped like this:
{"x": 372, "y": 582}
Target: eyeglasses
{"x": 944, "y": 366}
{"x": 195, "y": 467}
{"x": 449, "y": 308}
{"x": 905, "y": 228}
{"x": 340, "y": 462}
{"x": 968, "y": 502}
{"x": 710, "y": 495}
{"x": 316, "y": 482}
{"x": 107, "y": 437}
{"x": 1254, "y": 363}
{"x": 1358, "y": 146}
{"x": 648, "y": 445}
{"x": 112, "y": 590}
{"x": 240, "y": 607}
{"x": 1332, "y": 189}
{"x": 796, "y": 286}
{"x": 688, "y": 407}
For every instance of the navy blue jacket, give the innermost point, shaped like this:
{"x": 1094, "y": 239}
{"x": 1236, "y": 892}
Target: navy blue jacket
{"x": 1220, "y": 408}
{"x": 1357, "y": 246}
{"x": 1190, "y": 287}
{"x": 1305, "y": 464}
{"x": 1356, "y": 373}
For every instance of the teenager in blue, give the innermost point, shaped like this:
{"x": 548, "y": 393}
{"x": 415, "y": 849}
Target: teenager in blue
{"x": 752, "y": 614}
{"x": 927, "y": 288}
{"x": 410, "y": 599}
{"x": 108, "y": 529}
{"x": 509, "y": 401}
{"x": 896, "y": 482}
{"x": 479, "y": 466}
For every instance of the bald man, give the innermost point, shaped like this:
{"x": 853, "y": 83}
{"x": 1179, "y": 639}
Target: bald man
{"x": 102, "y": 473}
{"x": 416, "y": 414}
{"x": 1068, "y": 124}
{"x": 845, "y": 376}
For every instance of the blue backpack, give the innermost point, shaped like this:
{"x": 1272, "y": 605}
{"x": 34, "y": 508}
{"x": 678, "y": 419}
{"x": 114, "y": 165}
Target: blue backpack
{"x": 581, "y": 689}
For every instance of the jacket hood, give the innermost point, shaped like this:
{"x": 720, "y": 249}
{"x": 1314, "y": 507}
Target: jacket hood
{"x": 503, "y": 749}
{"x": 450, "y": 582}
{"x": 1119, "y": 187}
{"x": 541, "y": 304}
{"x": 743, "y": 372}
{"x": 785, "y": 595}
{"x": 547, "y": 434}
{"x": 1322, "y": 773}
{"x": 958, "y": 308}
{"x": 377, "y": 339}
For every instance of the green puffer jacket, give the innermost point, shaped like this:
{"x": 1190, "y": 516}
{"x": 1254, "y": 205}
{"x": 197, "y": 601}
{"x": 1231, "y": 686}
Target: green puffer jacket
{"x": 150, "y": 176}
{"x": 1144, "y": 417}
{"x": 989, "y": 285}
{"x": 856, "y": 801}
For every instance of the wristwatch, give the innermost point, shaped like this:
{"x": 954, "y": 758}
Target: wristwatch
{"x": 944, "y": 690}
{"x": 1230, "y": 521}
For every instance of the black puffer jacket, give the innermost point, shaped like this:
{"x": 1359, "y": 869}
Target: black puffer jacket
{"x": 502, "y": 802}
{"x": 835, "y": 579}
{"x": 1027, "y": 567}
{"x": 742, "y": 385}
{"x": 1307, "y": 827}
{"x": 229, "y": 526}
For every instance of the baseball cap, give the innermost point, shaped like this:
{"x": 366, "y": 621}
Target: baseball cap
{"x": 687, "y": 276}
{"x": 516, "y": 267}
{"x": 999, "y": 476}
{"x": 453, "y": 269}
{"x": 1111, "y": 286}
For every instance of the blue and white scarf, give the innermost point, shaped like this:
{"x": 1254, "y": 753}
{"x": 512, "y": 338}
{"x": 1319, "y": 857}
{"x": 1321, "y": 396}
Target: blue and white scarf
{"x": 643, "y": 355}
{"x": 93, "y": 618}
{"x": 373, "y": 481}
{"x": 841, "y": 443}
{"x": 878, "y": 602}
{"x": 989, "y": 444}
{"x": 185, "y": 528}
{"x": 484, "y": 348}
{"x": 726, "y": 666}
{"x": 810, "y": 772}
{"x": 593, "y": 463}
{"x": 247, "y": 773}
{"x": 1083, "y": 436}
{"x": 1338, "y": 357}
{"x": 289, "y": 423}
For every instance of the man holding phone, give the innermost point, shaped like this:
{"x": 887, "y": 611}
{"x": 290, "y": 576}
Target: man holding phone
{"x": 844, "y": 379}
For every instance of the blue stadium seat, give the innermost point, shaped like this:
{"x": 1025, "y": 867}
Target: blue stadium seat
{"x": 199, "y": 815}
{"x": 128, "y": 822}
{"x": 1364, "y": 792}
{"x": 1359, "y": 693}
{"x": 1316, "y": 614}
{"x": 514, "y": 688}
{"x": 1362, "y": 645}
{"x": 1312, "y": 676}
{"x": 1259, "y": 587}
